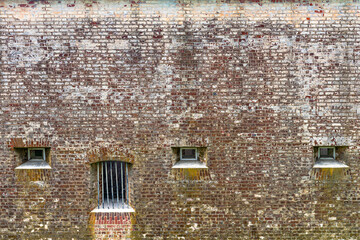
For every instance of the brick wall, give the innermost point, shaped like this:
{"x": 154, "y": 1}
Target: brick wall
{"x": 111, "y": 225}
{"x": 258, "y": 83}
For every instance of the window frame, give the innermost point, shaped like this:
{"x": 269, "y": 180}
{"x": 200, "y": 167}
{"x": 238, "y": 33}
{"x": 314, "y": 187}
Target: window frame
{"x": 189, "y": 159}
{"x": 35, "y": 159}
{"x": 334, "y": 149}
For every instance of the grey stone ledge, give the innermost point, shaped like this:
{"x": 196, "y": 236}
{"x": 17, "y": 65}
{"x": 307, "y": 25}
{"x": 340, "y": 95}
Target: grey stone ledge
{"x": 34, "y": 164}
{"x": 190, "y": 164}
{"x": 329, "y": 163}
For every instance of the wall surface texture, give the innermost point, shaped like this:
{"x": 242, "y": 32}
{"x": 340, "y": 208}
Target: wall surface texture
{"x": 256, "y": 84}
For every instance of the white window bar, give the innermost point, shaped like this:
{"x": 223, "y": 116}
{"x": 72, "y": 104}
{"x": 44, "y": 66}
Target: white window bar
{"x": 112, "y": 187}
{"x": 102, "y": 185}
{"x": 122, "y": 186}
{"x": 107, "y": 185}
{"x": 127, "y": 185}
{"x": 98, "y": 183}
{"x": 117, "y": 184}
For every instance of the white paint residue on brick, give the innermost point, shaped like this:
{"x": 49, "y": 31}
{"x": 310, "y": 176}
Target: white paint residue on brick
{"x": 119, "y": 44}
{"x": 26, "y": 51}
{"x": 87, "y": 45}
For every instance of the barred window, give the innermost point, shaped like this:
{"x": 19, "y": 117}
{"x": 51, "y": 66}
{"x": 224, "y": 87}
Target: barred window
{"x": 113, "y": 185}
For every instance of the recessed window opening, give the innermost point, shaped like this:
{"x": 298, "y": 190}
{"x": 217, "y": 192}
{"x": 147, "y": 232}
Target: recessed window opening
{"x": 188, "y": 154}
{"x": 34, "y": 158}
{"x": 326, "y": 167}
{"x": 113, "y": 185}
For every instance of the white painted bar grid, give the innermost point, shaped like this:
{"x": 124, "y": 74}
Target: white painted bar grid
{"x": 112, "y": 180}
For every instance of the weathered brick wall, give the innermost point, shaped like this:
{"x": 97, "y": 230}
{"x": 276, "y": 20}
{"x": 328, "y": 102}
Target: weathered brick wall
{"x": 257, "y": 83}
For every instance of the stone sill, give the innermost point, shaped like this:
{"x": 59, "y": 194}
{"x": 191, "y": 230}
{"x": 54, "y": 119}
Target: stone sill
{"x": 34, "y": 164}
{"x": 329, "y": 163}
{"x": 128, "y": 209}
{"x": 190, "y": 164}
